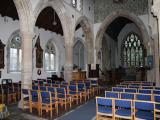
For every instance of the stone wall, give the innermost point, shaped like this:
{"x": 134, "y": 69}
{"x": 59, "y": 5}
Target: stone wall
{"x": 103, "y": 8}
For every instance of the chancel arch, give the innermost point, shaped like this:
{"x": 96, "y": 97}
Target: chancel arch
{"x": 115, "y": 28}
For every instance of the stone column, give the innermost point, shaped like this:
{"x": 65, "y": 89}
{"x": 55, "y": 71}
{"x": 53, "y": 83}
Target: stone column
{"x": 69, "y": 62}
{"x": 26, "y": 75}
{"x": 155, "y": 10}
{"x": 27, "y": 59}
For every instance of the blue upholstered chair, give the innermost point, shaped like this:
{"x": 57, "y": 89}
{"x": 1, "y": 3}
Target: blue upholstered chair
{"x": 145, "y": 91}
{"x": 130, "y": 90}
{"x": 95, "y": 87}
{"x": 134, "y": 86}
{"x": 144, "y": 97}
{"x": 35, "y": 87}
{"x": 121, "y": 86}
{"x": 88, "y": 87}
{"x": 123, "y": 109}
{"x": 144, "y": 110}
{"x": 111, "y": 94}
{"x": 126, "y": 95}
{"x": 53, "y": 92}
{"x": 104, "y": 107}
{"x": 82, "y": 89}
{"x": 63, "y": 98}
{"x": 155, "y": 91}
{"x": 43, "y": 88}
{"x": 25, "y": 98}
{"x": 47, "y": 103}
{"x": 49, "y": 82}
{"x": 75, "y": 94}
{"x": 157, "y": 100}
{"x": 147, "y": 87}
{"x": 34, "y": 101}
{"x": 117, "y": 89}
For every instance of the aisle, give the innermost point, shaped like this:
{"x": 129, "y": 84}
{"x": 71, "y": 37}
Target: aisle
{"x": 86, "y": 111}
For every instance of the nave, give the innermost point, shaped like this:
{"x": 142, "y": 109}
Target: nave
{"x": 59, "y": 59}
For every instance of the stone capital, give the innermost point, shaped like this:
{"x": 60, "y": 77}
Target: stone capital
{"x": 155, "y": 9}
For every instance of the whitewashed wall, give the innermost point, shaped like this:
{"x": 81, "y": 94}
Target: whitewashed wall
{"x": 9, "y": 26}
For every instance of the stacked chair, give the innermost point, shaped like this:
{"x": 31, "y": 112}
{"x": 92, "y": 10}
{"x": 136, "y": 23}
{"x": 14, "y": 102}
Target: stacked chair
{"x": 10, "y": 92}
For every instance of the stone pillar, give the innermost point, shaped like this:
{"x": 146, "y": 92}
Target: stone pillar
{"x": 26, "y": 76}
{"x": 27, "y": 59}
{"x": 69, "y": 62}
{"x": 155, "y": 10}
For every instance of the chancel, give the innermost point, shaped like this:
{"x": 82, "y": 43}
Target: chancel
{"x": 79, "y": 59}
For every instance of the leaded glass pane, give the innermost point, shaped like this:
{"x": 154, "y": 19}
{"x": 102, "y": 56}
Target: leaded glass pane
{"x": 15, "y": 54}
{"x": 50, "y": 56}
{"x": 132, "y": 51}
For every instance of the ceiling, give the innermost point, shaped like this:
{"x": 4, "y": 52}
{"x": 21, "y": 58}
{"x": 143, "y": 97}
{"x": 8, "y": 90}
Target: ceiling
{"x": 116, "y": 26}
{"x": 45, "y": 18}
{"x": 7, "y": 8}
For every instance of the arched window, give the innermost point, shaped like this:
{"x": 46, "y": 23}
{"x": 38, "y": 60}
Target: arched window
{"x": 77, "y": 4}
{"x": 132, "y": 51}
{"x": 50, "y": 57}
{"x": 78, "y": 55}
{"x": 15, "y": 54}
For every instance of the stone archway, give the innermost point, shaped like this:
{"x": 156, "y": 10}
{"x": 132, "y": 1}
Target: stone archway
{"x": 58, "y": 6}
{"x": 108, "y": 20}
{"x": 60, "y": 9}
{"x": 86, "y": 27}
{"x": 81, "y": 59}
{"x": 26, "y": 18}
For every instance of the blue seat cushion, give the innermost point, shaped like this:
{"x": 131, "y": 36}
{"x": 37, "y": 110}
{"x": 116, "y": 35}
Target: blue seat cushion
{"x": 74, "y": 92}
{"x": 146, "y": 115}
{"x": 47, "y": 101}
{"x": 104, "y": 109}
{"x": 34, "y": 99}
{"x": 123, "y": 112}
{"x": 61, "y": 96}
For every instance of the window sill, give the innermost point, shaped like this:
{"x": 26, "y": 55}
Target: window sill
{"x": 14, "y": 72}
{"x": 49, "y": 71}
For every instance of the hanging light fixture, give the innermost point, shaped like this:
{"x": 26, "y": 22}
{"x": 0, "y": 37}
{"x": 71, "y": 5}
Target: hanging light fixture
{"x": 54, "y": 20}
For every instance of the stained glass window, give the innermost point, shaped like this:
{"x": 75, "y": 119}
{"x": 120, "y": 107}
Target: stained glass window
{"x": 132, "y": 51}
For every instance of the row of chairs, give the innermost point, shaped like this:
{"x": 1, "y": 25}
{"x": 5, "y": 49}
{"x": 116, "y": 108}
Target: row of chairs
{"x": 48, "y": 82}
{"x": 133, "y": 96}
{"x": 135, "y": 90}
{"x": 138, "y": 86}
{"x": 12, "y": 93}
{"x": 41, "y": 100}
{"x": 63, "y": 93}
{"x": 125, "y": 109}
{"x": 137, "y": 82}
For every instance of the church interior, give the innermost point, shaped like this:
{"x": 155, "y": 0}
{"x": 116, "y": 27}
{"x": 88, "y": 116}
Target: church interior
{"x": 79, "y": 59}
